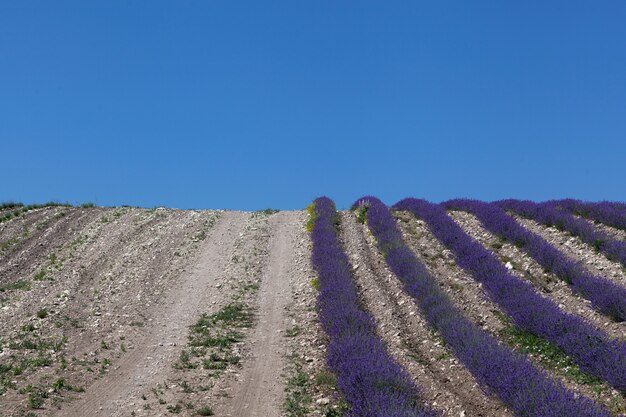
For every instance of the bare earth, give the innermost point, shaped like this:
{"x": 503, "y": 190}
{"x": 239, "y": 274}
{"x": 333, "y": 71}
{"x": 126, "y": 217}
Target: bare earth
{"x": 150, "y": 362}
{"x": 259, "y": 392}
{"x": 122, "y": 288}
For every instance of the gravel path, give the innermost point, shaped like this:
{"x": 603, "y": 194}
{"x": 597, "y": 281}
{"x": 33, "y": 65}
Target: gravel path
{"x": 259, "y": 390}
{"x": 147, "y": 364}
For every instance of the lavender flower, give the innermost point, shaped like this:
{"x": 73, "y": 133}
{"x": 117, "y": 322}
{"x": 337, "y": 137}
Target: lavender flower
{"x": 525, "y": 389}
{"x": 605, "y": 296}
{"x": 548, "y": 215}
{"x": 593, "y": 351}
{"x": 372, "y": 383}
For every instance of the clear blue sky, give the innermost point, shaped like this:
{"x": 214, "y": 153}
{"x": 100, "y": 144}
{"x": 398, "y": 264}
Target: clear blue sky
{"x": 247, "y": 105}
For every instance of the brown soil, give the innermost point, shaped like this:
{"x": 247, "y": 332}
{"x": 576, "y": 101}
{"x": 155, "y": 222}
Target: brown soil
{"x": 122, "y": 287}
{"x": 17, "y": 226}
{"x": 106, "y": 272}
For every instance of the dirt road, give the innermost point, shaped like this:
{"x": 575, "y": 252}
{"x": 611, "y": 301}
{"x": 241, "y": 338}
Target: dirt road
{"x": 260, "y": 389}
{"x": 117, "y": 393}
{"x": 125, "y": 289}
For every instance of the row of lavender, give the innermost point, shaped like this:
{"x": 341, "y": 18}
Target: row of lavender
{"x": 593, "y": 351}
{"x": 371, "y": 382}
{"x": 550, "y": 214}
{"x": 525, "y": 389}
{"x": 605, "y": 295}
{"x": 607, "y": 212}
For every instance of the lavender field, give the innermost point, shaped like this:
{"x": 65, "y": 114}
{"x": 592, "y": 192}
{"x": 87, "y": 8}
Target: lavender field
{"x": 522, "y": 302}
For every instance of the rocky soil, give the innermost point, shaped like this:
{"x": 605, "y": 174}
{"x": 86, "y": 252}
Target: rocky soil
{"x": 124, "y": 311}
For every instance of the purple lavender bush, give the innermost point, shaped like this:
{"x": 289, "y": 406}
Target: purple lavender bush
{"x": 548, "y": 215}
{"x": 372, "y": 383}
{"x": 605, "y": 296}
{"x": 608, "y": 212}
{"x": 591, "y": 349}
{"x": 525, "y": 389}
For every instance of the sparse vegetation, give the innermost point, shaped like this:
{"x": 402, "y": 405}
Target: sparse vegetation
{"x": 9, "y": 205}
{"x": 199, "y": 236}
{"x": 298, "y": 400}
{"x": 205, "y": 410}
{"x": 212, "y": 338}
{"x": 40, "y": 276}
{"x": 315, "y": 283}
{"x": 361, "y": 213}
{"x": 21, "y": 209}
{"x": 21, "y": 285}
{"x": 266, "y": 212}
{"x": 4, "y": 245}
{"x": 550, "y": 356}
{"x": 293, "y": 331}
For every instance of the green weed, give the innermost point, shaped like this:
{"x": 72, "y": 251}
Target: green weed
{"x": 40, "y": 276}
{"x": 205, "y": 410}
{"x": 267, "y": 211}
{"x": 17, "y": 285}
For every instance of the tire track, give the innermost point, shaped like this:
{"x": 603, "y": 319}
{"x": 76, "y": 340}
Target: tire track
{"x": 260, "y": 389}
{"x": 151, "y": 360}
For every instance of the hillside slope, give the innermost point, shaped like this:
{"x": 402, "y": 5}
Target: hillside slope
{"x": 141, "y": 312}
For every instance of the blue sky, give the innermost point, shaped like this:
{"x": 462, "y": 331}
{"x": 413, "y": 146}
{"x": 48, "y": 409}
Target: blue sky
{"x": 247, "y": 105}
